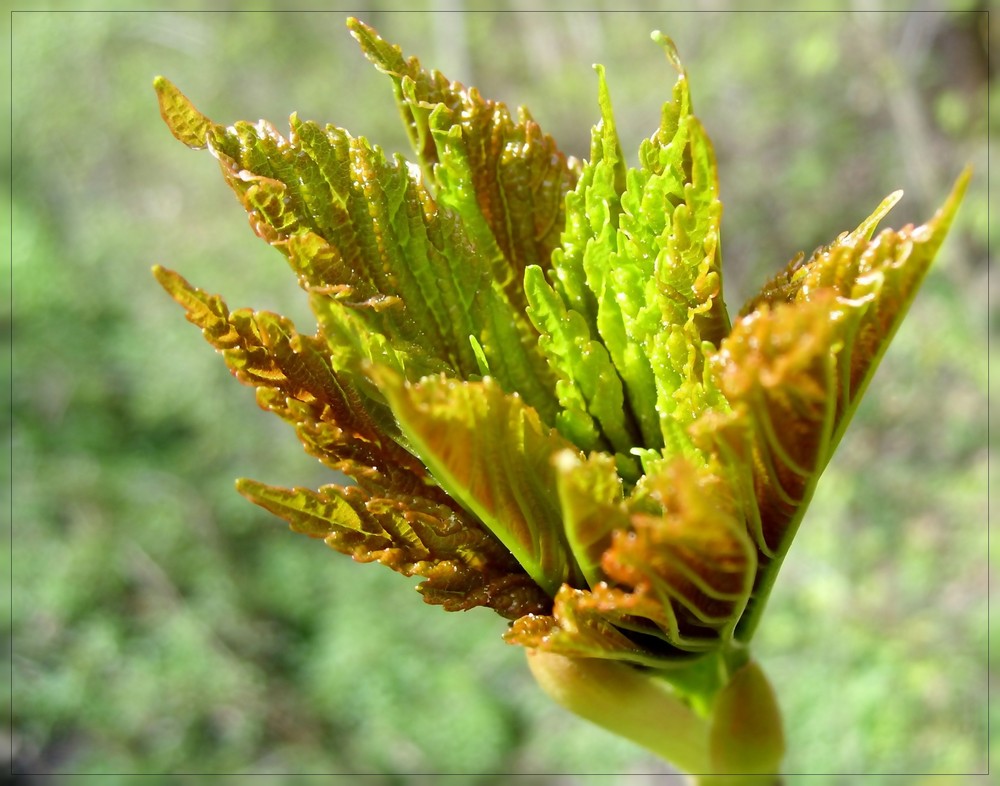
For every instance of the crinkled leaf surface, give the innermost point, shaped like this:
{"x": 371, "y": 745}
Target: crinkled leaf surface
{"x": 798, "y": 360}
{"x": 505, "y": 178}
{"x": 636, "y": 287}
{"x": 463, "y": 566}
{"x": 527, "y": 368}
{"x": 492, "y": 453}
{"x": 394, "y": 514}
{"x": 680, "y": 572}
{"x": 395, "y": 277}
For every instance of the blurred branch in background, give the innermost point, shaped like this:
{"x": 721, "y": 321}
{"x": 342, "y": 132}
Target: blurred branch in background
{"x": 161, "y": 624}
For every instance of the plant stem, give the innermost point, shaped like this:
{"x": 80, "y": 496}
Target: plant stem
{"x": 628, "y": 702}
{"x": 733, "y": 738}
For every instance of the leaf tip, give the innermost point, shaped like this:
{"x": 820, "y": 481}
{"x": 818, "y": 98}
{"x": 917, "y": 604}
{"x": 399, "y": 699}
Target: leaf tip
{"x": 669, "y": 48}
{"x": 941, "y": 222}
{"x": 357, "y": 27}
{"x": 385, "y": 56}
{"x": 254, "y": 491}
{"x": 248, "y": 488}
{"x": 167, "y": 278}
{"x": 958, "y": 190}
{"x": 867, "y": 227}
{"x": 186, "y": 123}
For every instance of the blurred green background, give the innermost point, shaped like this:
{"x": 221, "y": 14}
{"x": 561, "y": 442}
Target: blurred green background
{"x": 161, "y": 624}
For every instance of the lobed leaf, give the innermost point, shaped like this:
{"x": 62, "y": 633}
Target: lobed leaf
{"x": 478, "y": 333}
{"x": 578, "y": 630}
{"x": 394, "y": 276}
{"x": 593, "y": 414}
{"x": 639, "y": 272}
{"x": 779, "y": 370}
{"x": 686, "y": 563}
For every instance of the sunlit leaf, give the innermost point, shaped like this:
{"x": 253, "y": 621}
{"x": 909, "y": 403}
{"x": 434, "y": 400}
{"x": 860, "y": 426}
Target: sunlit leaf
{"x": 797, "y": 361}
{"x": 591, "y": 497}
{"x": 505, "y": 178}
{"x": 493, "y": 454}
{"x": 186, "y": 123}
{"x": 526, "y": 366}
{"x": 295, "y": 381}
{"x": 463, "y": 566}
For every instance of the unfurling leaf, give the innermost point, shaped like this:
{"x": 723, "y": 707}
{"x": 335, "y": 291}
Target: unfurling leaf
{"x": 525, "y": 365}
{"x": 680, "y": 571}
{"x": 463, "y": 566}
{"x": 493, "y": 454}
{"x": 186, "y": 123}
{"x": 798, "y": 359}
{"x": 506, "y": 180}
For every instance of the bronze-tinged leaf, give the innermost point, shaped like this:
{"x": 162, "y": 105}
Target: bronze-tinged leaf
{"x": 464, "y": 566}
{"x": 679, "y": 575}
{"x": 780, "y": 369}
{"x": 363, "y": 234}
{"x": 686, "y": 563}
{"x": 877, "y": 277}
{"x": 787, "y": 284}
{"x": 492, "y": 453}
{"x": 798, "y": 359}
{"x": 358, "y": 227}
{"x": 295, "y": 380}
{"x": 576, "y": 629}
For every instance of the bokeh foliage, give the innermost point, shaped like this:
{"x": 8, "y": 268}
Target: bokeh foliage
{"x": 161, "y": 624}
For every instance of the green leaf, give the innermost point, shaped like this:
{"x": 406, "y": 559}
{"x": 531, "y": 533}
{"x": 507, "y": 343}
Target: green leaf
{"x": 394, "y": 276}
{"x": 640, "y": 271}
{"x": 491, "y": 315}
{"x": 589, "y": 389}
{"x": 591, "y": 498}
{"x": 506, "y": 179}
{"x": 185, "y": 122}
{"x": 358, "y": 229}
{"x": 493, "y": 454}
{"x": 592, "y": 210}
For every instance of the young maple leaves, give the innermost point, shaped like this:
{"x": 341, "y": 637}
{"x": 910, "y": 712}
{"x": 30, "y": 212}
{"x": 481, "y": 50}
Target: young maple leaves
{"x": 526, "y": 366}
